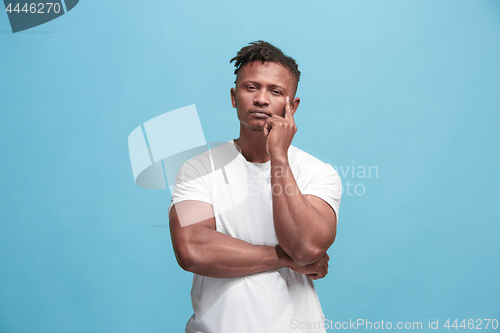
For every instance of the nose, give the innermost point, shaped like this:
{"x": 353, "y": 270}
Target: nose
{"x": 261, "y": 98}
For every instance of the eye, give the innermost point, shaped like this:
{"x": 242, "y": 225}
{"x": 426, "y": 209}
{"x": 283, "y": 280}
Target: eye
{"x": 251, "y": 88}
{"x": 277, "y": 92}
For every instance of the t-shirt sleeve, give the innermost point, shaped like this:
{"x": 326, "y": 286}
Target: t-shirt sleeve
{"x": 326, "y": 184}
{"x": 192, "y": 183}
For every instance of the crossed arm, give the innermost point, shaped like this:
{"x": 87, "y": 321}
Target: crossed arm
{"x": 201, "y": 249}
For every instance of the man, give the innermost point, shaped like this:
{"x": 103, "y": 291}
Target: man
{"x": 254, "y": 217}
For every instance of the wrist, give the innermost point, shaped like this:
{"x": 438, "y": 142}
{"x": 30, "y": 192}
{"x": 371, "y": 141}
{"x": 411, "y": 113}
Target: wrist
{"x": 279, "y": 159}
{"x": 284, "y": 259}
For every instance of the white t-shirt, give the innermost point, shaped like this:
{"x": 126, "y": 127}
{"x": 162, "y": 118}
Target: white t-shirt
{"x": 280, "y": 300}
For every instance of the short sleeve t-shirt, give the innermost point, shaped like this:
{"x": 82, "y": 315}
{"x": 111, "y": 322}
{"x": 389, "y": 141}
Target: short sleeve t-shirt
{"x": 240, "y": 193}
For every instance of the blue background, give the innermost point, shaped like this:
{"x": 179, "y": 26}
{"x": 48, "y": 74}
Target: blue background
{"x": 411, "y": 87}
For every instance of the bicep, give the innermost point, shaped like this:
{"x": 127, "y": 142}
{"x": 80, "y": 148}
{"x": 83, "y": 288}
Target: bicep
{"x": 325, "y": 209}
{"x": 187, "y": 219}
{"x": 324, "y": 191}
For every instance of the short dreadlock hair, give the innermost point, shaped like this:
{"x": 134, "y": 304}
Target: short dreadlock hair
{"x": 265, "y": 51}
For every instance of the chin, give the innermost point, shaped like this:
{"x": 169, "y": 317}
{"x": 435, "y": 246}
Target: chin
{"x": 257, "y": 129}
{"x": 253, "y": 126}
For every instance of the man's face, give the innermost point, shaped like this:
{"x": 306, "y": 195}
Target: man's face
{"x": 261, "y": 89}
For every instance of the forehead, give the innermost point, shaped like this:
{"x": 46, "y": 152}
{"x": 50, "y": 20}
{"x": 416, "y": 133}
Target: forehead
{"x": 266, "y": 73}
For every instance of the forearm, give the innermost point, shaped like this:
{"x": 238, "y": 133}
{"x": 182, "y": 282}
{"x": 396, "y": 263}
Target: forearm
{"x": 201, "y": 249}
{"x": 211, "y": 253}
{"x": 301, "y": 230}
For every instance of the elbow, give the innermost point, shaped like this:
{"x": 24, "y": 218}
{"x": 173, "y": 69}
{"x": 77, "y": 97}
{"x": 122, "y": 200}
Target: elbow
{"x": 185, "y": 258}
{"x": 307, "y": 254}
{"x": 310, "y": 248}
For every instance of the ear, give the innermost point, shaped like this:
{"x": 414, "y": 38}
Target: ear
{"x": 233, "y": 97}
{"x": 295, "y": 104}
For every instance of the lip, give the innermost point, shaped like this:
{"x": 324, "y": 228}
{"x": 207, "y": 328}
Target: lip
{"x": 260, "y": 113}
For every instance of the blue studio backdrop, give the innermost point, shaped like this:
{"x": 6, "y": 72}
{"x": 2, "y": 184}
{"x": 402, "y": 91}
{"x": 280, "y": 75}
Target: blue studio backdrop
{"x": 402, "y": 97}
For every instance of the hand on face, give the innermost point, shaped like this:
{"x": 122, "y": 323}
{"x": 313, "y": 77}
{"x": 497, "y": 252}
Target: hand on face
{"x": 280, "y": 132}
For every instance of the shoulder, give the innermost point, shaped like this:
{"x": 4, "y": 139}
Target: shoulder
{"x": 298, "y": 154}
{"x": 310, "y": 172}
{"x": 301, "y": 160}
{"x": 315, "y": 177}
{"x": 209, "y": 160}
{"x": 194, "y": 176}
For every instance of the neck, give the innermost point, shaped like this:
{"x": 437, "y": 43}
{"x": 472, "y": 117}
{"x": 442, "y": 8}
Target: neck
{"x": 253, "y": 145}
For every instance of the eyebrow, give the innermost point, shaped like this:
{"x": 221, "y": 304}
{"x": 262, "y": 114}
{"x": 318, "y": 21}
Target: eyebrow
{"x": 252, "y": 82}
{"x": 259, "y": 84}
